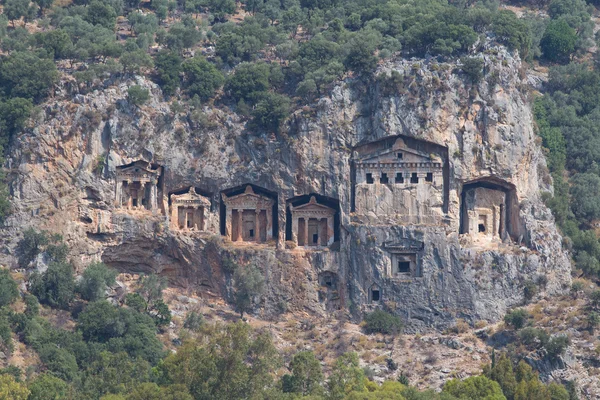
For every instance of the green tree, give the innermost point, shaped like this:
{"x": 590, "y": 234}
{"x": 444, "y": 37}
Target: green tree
{"x": 585, "y": 189}
{"x": 168, "y": 69}
{"x": 248, "y": 284}
{"x": 516, "y": 318}
{"x": 9, "y": 290}
{"x": 32, "y": 305}
{"x": 96, "y": 278}
{"x": 11, "y": 389}
{"x": 380, "y": 321}
{"x": 248, "y": 82}
{"x": 24, "y": 74}
{"x": 136, "y": 301}
{"x": 475, "y": 387}
{"x": 512, "y": 31}
{"x": 346, "y": 377}
{"x": 230, "y": 362}
{"x": 56, "y": 286}
{"x": 558, "y": 42}
{"x": 161, "y": 313}
{"x": 137, "y": 95}
{"x": 135, "y": 61}
{"x": 48, "y": 387}
{"x": 100, "y": 13}
{"x": 473, "y": 68}
{"x": 17, "y": 9}
{"x": 201, "y": 78}
{"x": 306, "y": 377}
{"x": 31, "y": 245}
{"x": 151, "y": 288}
{"x": 270, "y": 111}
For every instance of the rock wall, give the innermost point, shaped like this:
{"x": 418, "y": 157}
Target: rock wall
{"x": 62, "y": 178}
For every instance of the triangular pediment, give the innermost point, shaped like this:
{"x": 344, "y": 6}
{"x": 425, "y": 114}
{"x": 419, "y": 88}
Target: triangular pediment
{"x": 391, "y": 155}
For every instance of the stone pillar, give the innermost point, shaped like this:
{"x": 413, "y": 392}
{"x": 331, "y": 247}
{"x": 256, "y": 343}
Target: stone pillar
{"x": 153, "y": 196}
{"x": 185, "y": 219}
{"x": 240, "y": 222}
{"x": 295, "y": 229}
{"x": 330, "y": 230}
{"x": 496, "y": 211}
{"x": 174, "y": 215}
{"x": 305, "y": 233}
{"x": 228, "y": 224}
{"x": 269, "y": 223}
{"x": 118, "y": 193}
{"x": 257, "y": 225}
{"x": 129, "y": 199}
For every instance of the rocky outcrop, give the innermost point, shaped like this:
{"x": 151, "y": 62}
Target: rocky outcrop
{"x": 62, "y": 173}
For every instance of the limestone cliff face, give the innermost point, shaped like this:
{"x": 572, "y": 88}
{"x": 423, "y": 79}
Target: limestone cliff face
{"x": 63, "y": 167}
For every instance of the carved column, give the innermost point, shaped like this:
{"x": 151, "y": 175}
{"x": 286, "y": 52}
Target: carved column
{"x": 269, "y": 222}
{"x": 240, "y": 222}
{"x": 174, "y": 215}
{"x": 295, "y": 229}
{"x": 330, "y": 230}
{"x": 257, "y": 225}
{"x": 129, "y": 199}
{"x": 305, "y": 233}
{"x": 118, "y": 193}
{"x": 153, "y": 196}
{"x": 228, "y": 224}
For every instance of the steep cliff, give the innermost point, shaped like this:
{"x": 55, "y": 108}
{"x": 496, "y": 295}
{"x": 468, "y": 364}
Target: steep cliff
{"x": 62, "y": 179}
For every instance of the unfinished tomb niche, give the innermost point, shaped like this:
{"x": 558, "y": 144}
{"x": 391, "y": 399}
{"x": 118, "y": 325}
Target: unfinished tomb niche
{"x": 375, "y": 294}
{"x": 188, "y": 210}
{"x": 328, "y": 291}
{"x": 312, "y": 221}
{"x": 249, "y": 214}
{"x": 401, "y": 178}
{"x": 488, "y": 209}
{"x": 405, "y": 257}
{"x": 139, "y": 186}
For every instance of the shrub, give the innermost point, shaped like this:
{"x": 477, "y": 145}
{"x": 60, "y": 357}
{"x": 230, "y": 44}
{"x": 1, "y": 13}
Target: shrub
{"x": 193, "y": 321}
{"x": 8, "y": 288}
{"x": 249, "y": 284}
{"x": 517, "y": 318}
{"x": 530, "y": 290}
{"x": 473, "y": 68}
{"x": 94, "y": 281}
{"x": 55, "y": 287}
{"x": 137, "y": 95}
{"x": 557, "y": 346}
{"x": 380, "y": 321}
{"x": 533, "y": 337}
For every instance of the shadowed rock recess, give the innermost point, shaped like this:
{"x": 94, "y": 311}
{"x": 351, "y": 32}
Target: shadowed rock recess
{"x": 418, "y": 192}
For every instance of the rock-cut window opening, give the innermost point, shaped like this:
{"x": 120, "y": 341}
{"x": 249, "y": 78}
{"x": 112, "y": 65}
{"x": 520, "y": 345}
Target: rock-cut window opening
{"x": 429, "y": 177}
{"x": 403, "y": 267}
{"x": 375, "y": 295}
{"x": 384, "y": 178}
{"x": 399, "y": 155}
{"x": 369, "y": 177}
{"x": 414, "y": 178}
{"x": 399, "y": 178}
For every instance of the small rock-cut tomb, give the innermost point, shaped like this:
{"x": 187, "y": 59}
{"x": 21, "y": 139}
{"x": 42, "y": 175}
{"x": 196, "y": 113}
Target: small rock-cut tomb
{"x": 137, "y": 186}
{"x": 248, "y": 216}
{"x": 188, "y": 211}
{"x": 312, "y": 224}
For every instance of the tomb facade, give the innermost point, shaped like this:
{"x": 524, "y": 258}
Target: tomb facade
{"x": 312, "y": 224}
{"x": 485, "y": 212}
{"x": 189, "y": 211}
{"x": 137, "y": 186}
{"x": 248, "y": 216}
{"x": 400, "y": 183}
{"x": 405, "y": 257}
